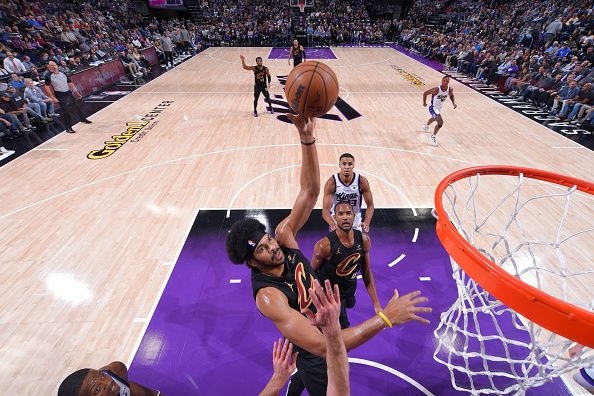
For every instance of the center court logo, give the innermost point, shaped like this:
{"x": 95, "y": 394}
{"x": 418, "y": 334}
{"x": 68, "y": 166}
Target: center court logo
{"x": 132, "y": 128}
{"x": 412, "y": 78}
{"x": 281, "y": 106}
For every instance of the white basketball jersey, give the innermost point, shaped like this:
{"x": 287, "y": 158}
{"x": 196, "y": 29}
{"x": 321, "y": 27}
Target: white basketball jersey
{"x": 437, "y": 100}
{"x": 351, "y": 194}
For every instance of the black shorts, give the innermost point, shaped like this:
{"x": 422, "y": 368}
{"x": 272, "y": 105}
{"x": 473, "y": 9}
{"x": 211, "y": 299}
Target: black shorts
{"x": 297, "y": 61}
{"x": 312, "y": 371}
{"x": 260, "y": 88}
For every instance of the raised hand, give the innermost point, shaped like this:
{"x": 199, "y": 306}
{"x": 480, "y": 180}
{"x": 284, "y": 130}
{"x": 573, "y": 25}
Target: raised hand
{"x": 327, "y": 303}
{"x": 283, "y": 359}
{"x": 404, "y": 309}
{"x": 304, "y": 125}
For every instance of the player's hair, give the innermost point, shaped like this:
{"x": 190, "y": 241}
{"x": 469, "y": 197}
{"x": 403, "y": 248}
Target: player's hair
{"x": 343, "y": 203}
{"x": 346, "y": 155}
{"x": 258, "y": 58}
{"x": 72, "y": 384}
{"x": 237, "y": 239}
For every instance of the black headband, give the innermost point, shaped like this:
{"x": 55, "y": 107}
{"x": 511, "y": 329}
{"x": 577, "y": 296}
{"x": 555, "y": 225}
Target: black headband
{"x": 252, "y": 242}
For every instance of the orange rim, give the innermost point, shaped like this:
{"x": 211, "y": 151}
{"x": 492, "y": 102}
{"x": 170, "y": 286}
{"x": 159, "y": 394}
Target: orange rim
{"x": 556, "y": 315}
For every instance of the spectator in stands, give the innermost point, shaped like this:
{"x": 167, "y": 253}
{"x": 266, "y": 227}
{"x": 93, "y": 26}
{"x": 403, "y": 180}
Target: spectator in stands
{"x": 13, "y": 65}
{"x": 31, "y": 109}
{"x": 567, "y": 92}
{"x": 10, "y": 107}
{"x": 34, "y": 94}
{"x": 16, "y": 81}
{"x": 584, "y": 97}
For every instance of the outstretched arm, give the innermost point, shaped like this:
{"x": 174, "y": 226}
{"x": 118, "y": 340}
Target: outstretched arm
{"x": 329, "y": 189}
{"x": 309, "y": 182}
{"x": 366, "y": 190}
{"x": 246, "y": 67}
{"x": 273, "y": 304}
{"x": 368, "y": 275}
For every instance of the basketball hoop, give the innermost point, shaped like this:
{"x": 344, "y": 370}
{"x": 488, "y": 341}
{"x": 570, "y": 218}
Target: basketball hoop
{"x": 509, "y": 262}
{"x": 301, "y": 5}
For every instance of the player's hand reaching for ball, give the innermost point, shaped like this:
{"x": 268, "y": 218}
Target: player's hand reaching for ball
{"x": 404, "y": 309}
{"x": 305, "y": 126}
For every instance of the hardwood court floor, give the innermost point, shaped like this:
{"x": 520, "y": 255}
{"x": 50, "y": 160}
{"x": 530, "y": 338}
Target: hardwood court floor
{"x": 87, "y": 245}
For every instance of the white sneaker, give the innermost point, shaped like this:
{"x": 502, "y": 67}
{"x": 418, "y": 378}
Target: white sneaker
{"x": 432, "y": 140}
{"x": 5, "y": 153}
{"x": 426, "y": 128}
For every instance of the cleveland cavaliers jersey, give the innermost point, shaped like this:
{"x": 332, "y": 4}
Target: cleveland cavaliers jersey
{"x": 295, "y": 282}
{"x": 260, "y": 75}
{"x": 344, "y": 264}
{"x": 297, "y": 54}
{"x": 350, "y": 193}
{"x": 437, "y": 100}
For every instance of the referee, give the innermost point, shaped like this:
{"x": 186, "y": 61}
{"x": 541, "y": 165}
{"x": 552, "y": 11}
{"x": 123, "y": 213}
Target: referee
{"x": 64, "y": 92}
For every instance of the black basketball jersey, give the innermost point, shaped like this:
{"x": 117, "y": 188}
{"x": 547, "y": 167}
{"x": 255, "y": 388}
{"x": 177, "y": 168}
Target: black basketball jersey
{"x": 295, "y": 282}
{"x": 297, "y": 53}
{"x": 260, "y": 75}
{"x": 344, "y": 264}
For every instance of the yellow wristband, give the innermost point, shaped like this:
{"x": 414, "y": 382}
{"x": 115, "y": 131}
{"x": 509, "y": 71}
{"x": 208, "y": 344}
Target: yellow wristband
{"x": 385, "y": 319}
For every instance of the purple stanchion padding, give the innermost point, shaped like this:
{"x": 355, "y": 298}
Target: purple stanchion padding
{"x": 207, "y": 337}
{"x": 310, "y": 53}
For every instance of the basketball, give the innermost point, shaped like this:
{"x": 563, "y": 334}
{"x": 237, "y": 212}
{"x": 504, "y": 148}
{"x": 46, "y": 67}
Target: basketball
{"x": 311, "y": 89}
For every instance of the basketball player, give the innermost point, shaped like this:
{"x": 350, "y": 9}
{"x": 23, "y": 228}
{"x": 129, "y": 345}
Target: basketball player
{"x": 108, "y": 380}
{"x": 348, "y": 186}
{"x": 282, "y": 276}
{"x": 297, "y": 52}
{"x": 261, "y": 75}
{"x": 341, "y": 255}
{"x": 438, "y": 97}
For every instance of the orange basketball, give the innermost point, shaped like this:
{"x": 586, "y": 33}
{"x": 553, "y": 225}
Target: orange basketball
{"x": 311, "y": 89}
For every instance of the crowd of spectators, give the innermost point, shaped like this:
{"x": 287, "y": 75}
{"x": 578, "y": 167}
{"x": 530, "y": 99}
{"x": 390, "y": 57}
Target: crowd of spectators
{"x": 537, "y": 52}
{"x": 273, "y": 23}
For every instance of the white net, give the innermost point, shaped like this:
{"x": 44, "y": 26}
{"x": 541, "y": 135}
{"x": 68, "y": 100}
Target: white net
{"x": 540, "y": 233}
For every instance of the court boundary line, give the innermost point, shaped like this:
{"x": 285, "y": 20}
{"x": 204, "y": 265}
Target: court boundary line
{"x": 165, "y": 281}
